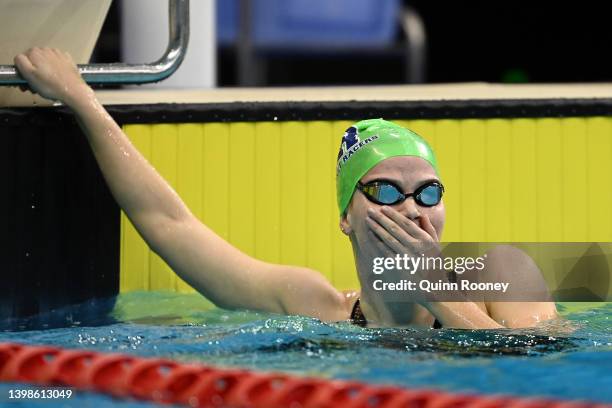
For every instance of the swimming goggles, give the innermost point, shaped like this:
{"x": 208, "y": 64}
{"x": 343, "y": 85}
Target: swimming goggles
{"x": 385, "y": 192}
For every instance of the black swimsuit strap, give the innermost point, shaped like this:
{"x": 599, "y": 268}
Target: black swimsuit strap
{"x": 357, "y": 316}
{"x": 359, "y": 319}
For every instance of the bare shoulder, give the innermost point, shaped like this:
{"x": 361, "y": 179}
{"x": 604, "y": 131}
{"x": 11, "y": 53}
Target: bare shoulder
{"x": 507, "y": 263}
{"x": 350, "y": 297}
{"x": 522, "y": 314}
{"x": 308, "y": 292}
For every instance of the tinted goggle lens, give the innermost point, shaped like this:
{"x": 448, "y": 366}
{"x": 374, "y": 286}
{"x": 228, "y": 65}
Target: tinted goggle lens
{"x": 384, "y": 193}
{"x": 430, "y": 195}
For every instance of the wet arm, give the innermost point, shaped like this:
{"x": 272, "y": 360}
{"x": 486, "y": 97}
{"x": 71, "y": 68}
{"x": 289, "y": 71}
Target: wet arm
{"x": 215, "y": 268}
{"x": 211, "y": 265}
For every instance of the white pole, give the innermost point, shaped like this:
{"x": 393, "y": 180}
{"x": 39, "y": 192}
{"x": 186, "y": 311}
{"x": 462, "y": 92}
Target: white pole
{"x": 144, "y": 37}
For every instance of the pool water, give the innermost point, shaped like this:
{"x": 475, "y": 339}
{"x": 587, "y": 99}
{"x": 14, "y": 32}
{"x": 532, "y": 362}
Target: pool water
{"x": 565, "y": 360}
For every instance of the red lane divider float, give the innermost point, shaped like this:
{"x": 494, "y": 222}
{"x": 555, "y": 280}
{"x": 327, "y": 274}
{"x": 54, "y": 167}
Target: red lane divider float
{"x": 168, "y": 381}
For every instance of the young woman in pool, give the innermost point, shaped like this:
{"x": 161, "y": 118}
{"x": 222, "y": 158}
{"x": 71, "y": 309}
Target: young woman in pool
{"x": 378, "y": 163}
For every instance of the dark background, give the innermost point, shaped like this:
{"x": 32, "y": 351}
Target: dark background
{"x": 492, "y": 41}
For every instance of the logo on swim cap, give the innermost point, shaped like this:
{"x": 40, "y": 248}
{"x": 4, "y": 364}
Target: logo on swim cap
{"x": 351, "y": 136}
{"x": 350, "y": 144}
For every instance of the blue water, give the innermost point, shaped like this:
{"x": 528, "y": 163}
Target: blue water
{"x": 570, "y": 359}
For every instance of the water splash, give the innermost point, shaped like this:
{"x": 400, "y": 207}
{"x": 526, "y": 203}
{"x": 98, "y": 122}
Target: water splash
{"x": 577, "y": 350}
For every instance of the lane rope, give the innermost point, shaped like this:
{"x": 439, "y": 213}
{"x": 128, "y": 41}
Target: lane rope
{"x": 196, "y": 385}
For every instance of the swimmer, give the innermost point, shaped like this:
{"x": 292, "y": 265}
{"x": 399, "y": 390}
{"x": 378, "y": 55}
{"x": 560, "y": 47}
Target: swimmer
{"x": 389, "y": 196}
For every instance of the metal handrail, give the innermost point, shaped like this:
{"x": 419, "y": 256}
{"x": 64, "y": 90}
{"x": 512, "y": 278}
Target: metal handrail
{"x": 120, "y": 73}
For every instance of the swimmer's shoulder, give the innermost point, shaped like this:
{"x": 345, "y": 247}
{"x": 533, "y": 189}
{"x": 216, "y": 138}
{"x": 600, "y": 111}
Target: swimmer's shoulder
{"x": 350, "y": 297}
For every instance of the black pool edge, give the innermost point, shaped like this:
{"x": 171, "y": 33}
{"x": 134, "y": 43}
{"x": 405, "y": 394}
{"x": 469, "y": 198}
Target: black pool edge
{"x": 310, "y": 111}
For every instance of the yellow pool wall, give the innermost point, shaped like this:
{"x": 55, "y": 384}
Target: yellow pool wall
{"x": 269, "y": 187}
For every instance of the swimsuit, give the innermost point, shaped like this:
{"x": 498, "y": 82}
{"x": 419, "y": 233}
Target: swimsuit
{"x": 359, "y": 319}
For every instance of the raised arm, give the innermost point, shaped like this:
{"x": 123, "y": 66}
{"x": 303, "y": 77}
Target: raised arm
{"x": 219, "y": 271}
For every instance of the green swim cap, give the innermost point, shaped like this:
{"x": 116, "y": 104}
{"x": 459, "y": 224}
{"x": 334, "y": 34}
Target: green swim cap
{"x": 367, "y": 143}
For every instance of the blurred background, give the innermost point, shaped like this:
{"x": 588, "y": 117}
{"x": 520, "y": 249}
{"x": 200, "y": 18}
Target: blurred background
{"x": 342, "y": 42}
